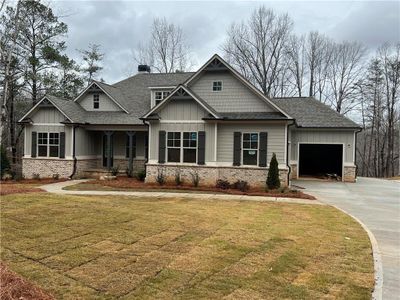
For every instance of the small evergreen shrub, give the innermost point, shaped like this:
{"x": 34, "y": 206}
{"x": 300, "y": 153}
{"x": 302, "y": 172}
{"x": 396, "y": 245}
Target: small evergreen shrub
{"x": 56, "y": 176}
{"x": 114, "y": 171}
{"x": 222, "y": 184}
{"x": 36, "y": 176}
{"x": 273, "y": 181}
{"x": 141, "y": 175}
{"x": 160, "y": 177}
{"x": 195, "y": 178}
{"x": 129, "y": 172}
{"x": 178, "y": 178}
{"x": 4, "y": 162}
{"x": 241, "y": 185}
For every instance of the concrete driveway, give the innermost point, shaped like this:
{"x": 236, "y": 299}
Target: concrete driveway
{"x": 376, "y": 203}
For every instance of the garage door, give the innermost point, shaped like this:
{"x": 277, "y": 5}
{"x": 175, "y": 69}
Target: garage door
{"x": 320, "y": 159}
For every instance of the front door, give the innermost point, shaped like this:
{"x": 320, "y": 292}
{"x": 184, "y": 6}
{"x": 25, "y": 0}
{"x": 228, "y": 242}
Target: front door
{"x": 105, "y": 151}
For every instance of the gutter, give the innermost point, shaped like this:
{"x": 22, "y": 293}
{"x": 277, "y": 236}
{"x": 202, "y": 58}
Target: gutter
{"x": 73, "y": 152}
{"x": 287, "y": 150}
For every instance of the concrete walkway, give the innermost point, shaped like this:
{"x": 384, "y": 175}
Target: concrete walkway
{"x": 376, "y": 203}
{"x": 57, "y": 188}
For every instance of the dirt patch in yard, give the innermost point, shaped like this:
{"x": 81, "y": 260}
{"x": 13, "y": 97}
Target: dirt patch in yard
{"x": 13, "y": 286}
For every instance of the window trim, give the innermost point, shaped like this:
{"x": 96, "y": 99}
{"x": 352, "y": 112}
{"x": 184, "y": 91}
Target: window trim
{"x": 164, "y": 94}
{"x": 258, "y": 149}
{"x": 182, "y": 148}
{"x": 212, "y": 86}
{"x": 48, "y": 145}
{"x": 96, "y": 101}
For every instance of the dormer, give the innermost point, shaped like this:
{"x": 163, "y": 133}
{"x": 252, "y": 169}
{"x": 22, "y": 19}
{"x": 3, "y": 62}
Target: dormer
{"x": 158, "y": 94}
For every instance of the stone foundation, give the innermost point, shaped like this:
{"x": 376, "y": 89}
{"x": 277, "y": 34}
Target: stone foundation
{"x": 208, "y": 175}
{"x": 46, "y": 168}
{"x": 349, "y": 174}
{"x": 293, "y": 171}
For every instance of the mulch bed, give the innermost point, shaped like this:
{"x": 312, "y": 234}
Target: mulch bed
{"x": 8, "y": 187}
{"x": 13, "y": 286}
{"x": 130, "y": 183}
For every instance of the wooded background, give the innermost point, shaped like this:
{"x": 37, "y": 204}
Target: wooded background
{"x": 358, "y": 82}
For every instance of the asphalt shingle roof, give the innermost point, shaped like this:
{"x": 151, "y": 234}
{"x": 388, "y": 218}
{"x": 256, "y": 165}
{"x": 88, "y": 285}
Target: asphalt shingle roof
{"x": 252, "y": 116}
{"x": 309, "y": 112}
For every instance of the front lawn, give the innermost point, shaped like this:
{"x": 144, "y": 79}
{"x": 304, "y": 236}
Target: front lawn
{"x": 107, "y": 247}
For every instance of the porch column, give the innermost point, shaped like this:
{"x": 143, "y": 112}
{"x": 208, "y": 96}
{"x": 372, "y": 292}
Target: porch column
{"x": 130, "y": 134}
{"x": 109, "y": 150}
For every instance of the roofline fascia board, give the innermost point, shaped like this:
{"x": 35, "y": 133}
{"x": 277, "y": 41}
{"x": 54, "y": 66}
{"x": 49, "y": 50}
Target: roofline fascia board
{"x": 333, "y": 128}
{"x": 37, "y": 104}
{"x": 169, "y": 97}
{"x": 241, "y": 78}
{"x": 162, "y": 87}
{"x": 99, "y": 85}
{"x": 246, "y": 120}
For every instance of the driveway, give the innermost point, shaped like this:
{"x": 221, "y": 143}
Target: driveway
{"x": 376, "y": 203}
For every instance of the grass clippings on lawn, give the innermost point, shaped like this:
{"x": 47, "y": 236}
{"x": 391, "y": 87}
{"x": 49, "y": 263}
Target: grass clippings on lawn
{"x": 13, "y": 286}
{"x": 141, "y": 248}
{"x": 130, "y": 184}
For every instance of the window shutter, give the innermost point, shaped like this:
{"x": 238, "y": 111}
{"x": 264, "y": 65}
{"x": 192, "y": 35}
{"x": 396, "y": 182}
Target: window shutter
{"x": 33, "y": 144}
{"x": 62, "y": 144}
{"x": 237, "y": 147}
{"x": 201, "y": 148}
{"x": 263, "y": 149}
{"x": 161, "y": 146}
{"x": 134, "y": 146}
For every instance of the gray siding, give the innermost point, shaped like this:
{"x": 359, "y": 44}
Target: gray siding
{"x": 207, "y": 127}
{"x": 182, "y": 110}
{"x": 106, "y": 104}
{"x": 323, "y": 137}
{"x": 87, "y": 143}
{"x": 276, "y": 140}
{"x": 234, "y": 97}
{"x": 47, "y": 115}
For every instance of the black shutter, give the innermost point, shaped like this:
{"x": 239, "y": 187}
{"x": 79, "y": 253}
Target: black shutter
{"x": 161, "y": 146}
{"x": 33, "y": 143}
{"x": 62, "y": 144}
{"x": 237, "y": 147}
{"x": 201, "y": 148}
{"x": 263, "y": 149}
{"x": 134, "y": 146}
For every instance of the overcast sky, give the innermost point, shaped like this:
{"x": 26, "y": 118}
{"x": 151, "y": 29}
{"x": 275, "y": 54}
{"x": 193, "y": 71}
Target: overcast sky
{"x": 119, "y": 26}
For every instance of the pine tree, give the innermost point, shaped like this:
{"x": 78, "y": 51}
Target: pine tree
{"x": 273, "y": 181}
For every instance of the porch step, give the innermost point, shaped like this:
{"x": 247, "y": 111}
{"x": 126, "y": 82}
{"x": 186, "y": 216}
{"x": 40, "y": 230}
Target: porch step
{"x": 99, "y": 172}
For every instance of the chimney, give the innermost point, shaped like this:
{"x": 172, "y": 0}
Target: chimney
{"x": 142, "y": 69}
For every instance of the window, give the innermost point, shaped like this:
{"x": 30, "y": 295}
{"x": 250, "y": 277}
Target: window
{"x": 217, "y": 86}
{"x": 96, "y": 101}
{"x": 48, "y": 144}
{"x": 189, "y": 147}
{"x": 174, "y": 147}
{"x": 160, "y": 96}
{"x": 250, "y": 148}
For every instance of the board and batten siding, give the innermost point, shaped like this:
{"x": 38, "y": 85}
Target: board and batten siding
{"x": 275, "y": 141}
{"x": 46, "y": 115}
{"x": 209, "y": 128}
{"x": 234, "y": 97}
{"x": 182, "y": 110}
{"x": 106, "y": 104}
{"x": 48, "y": 128}
{"x": 345, "y": 137}
{"x": 87, "y": 143}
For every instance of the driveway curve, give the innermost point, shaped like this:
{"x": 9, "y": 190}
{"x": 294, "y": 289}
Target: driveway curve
{"x": 376, "y": 203}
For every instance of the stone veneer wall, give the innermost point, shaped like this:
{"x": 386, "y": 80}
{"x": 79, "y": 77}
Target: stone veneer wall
{"x": 47, "y": 167}
{"x": 210, "y": 174}
{"x": 349, "y": 174}
{"x": 293, "y": 171}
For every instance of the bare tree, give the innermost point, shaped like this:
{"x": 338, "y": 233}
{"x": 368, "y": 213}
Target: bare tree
{"x": 297, "y": 62}
{"x": 167, "y": 49}
{"x": 256, "y": 47}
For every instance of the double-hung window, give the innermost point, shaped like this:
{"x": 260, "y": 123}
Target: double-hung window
{"x": 250, "y": 148}
{"x": 48, "y": 144}
{"x": 174, "y": 147}
{"x": 182, "y": 147}
{"x": 96, "y": 101}
{"x": 160, "y": 96}
{"x": 217, "y": 86}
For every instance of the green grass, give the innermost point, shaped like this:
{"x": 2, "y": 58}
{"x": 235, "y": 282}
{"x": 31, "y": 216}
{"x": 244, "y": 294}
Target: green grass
{"x": 121, "y": 247}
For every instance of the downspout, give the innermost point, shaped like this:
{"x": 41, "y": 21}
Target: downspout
{"x": 355, "y": 151}
{"x": 73, "y": 152}
{"x": 287, "y": 151}
{"x": 148, "y": 146}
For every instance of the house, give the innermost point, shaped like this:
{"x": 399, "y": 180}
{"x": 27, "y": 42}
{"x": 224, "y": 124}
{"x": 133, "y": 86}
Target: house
{"x": 212, "y": 123}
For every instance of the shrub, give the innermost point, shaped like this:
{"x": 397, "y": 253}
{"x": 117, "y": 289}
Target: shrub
{"x": 114, "y": 171}
{"x": 56, "y": 176}
{"x": 178, "y": 179}
{"x": 222, "y": 184}
{"x": 141, "y": 175}
{"x": 4, "y": 162}
{"x": 160, "y": 177}
{"x": 273, "y": 181}
{"x": 241, "y": 185}
{"x": 36, "y": 176}
{"x": 129, "y": 172}
{"x": 195, "y": 178}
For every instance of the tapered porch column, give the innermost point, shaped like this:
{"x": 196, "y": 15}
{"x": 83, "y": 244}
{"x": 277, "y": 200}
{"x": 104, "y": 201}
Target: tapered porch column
{"x": 130, "y": 134}
{"x": 108, "y": 135}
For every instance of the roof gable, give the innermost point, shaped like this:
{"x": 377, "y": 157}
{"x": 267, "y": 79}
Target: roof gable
{"x": 45, "y": 102}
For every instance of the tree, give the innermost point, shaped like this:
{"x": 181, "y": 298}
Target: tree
{"x": 167, "y": 50}
{"x": 273, "y": 181}
{"x": 257, "y": 47}
{"x": 92, "y": 58}
{"x": 297, "y": 62}
{"x": 70, "y": 79}
{"x": 4, "y": 162}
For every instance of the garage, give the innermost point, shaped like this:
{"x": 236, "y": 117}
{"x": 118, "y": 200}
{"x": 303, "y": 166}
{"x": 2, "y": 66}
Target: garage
{"x": 319, "y": 160}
